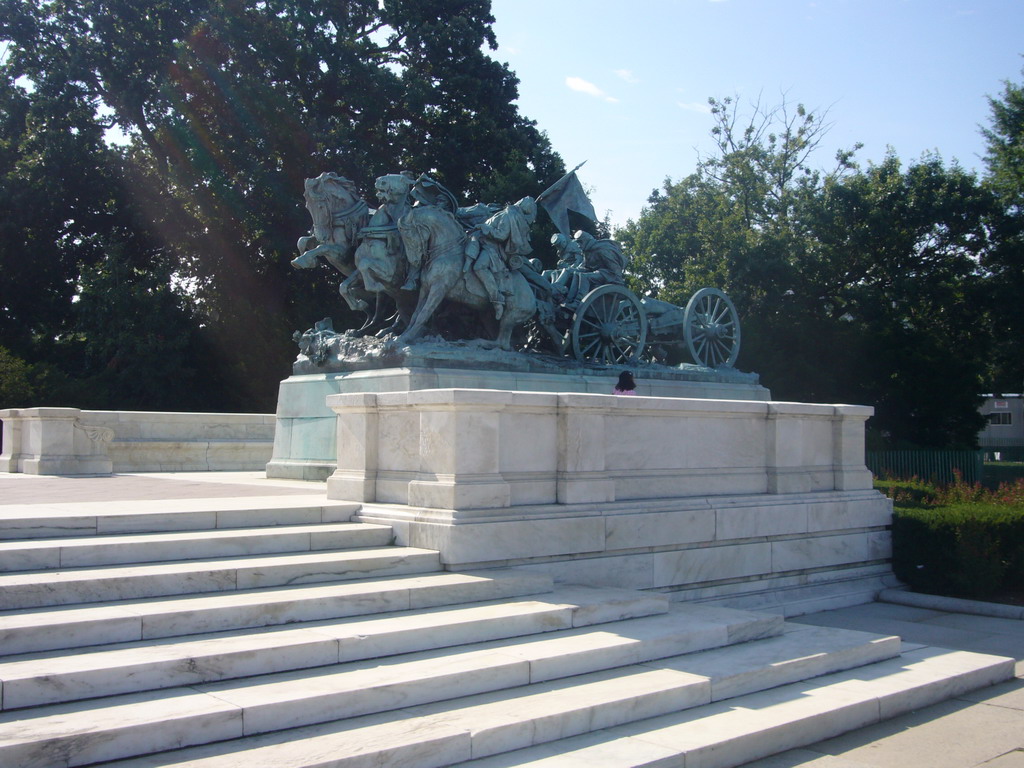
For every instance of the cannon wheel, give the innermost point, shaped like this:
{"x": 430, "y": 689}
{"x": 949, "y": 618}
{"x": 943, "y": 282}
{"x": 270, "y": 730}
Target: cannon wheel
{"x": 609, "y": 327}
{"x": 711, "y": 328}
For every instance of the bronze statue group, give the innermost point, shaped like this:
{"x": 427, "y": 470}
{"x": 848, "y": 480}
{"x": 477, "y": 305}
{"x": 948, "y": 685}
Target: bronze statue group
{"x": 419, "y": 247}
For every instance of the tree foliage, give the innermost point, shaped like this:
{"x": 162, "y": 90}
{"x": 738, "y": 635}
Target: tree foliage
{"x": 1004, "y": 156}
{"x": 152, "y": 155}
{"x": 224, "y": 107}
{"x": 854, "y": 285}
{"x": 1004, "y": 160}
{"x": 15, "y": 381}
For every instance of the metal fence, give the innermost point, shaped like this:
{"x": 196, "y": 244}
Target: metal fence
{"x": 935, "y": 466}
{"x": 1003, "y": 449}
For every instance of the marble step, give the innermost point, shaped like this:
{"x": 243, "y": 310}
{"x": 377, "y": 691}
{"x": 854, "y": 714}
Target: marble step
{"x": 33, "y": 521}
{"x": 450, "y": 732}
{"x": 78, "y": 626}
{"x": 737, "y": 731}
{"x": 36, "y": 679}
{"x": 85, "y": 585}
{"x": 132, "y": 724}
{"x": 143, "y": 548}
{"x": 84, "y": 551}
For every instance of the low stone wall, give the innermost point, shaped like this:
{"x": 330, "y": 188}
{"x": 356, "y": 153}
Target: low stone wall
{"x": 764, "y": 505}
{"x": 69, "y": 441}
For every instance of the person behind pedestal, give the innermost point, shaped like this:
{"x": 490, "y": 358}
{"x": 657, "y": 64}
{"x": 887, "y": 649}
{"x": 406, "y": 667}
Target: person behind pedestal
{"x": 625, "y": 384}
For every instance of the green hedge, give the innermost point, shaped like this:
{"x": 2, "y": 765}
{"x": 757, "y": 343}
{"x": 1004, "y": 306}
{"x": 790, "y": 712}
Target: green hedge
{"x": 968, "y": 550}
{"x": 997, "y": 473}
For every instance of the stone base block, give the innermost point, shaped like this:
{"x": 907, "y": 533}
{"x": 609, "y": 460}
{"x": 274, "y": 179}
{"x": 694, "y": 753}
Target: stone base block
{"x": 454, "y": 493}
{"x": 297, "y": 469}
{"x": 584, "y": 491}
{"x": 792, "y": 553}
{"x": 304, "y": 440}
{"x": 67, "y": 465}
{"x": 513, "y": 448}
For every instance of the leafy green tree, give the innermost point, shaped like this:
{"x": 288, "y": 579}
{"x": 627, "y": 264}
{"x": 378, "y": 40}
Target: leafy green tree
{"x": 227, "y": 106}
{"x": 852, "y": 285}
{"x": 1004, "y": 156}
{"x": 16, "y": 390}
{"x": 901, "y": 248}
{"x": 70, "y": 216}
{"x": 133, "y": 334}
{"x": 1004, "y": 160}
{"x": 56, "y": 200}
{"x": 735, "y": 217}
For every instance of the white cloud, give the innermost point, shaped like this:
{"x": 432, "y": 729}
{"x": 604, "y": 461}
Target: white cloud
{"x": 582, "y": 86}
{"x": 627, "y": 75}
{"x": 695, "y": 106}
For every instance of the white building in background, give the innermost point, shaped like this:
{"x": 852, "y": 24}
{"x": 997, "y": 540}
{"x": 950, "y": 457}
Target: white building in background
{"x": 1005, "y": 427}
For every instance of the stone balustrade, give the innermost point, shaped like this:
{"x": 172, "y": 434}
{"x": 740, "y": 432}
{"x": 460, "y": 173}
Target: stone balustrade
{"x": 69, "y": 441}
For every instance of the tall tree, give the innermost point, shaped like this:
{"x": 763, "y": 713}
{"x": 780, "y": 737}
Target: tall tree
{"x": 900, "y": 249}
{"x": 55, "y": 192}
{"x": 732, "y": 222}
{"x": 1004, "y": 156}
{"x": 226, "y": 106}
{"x": 70, "y": 220}
{"x": 853, "y": 285}
{"x": 1004, "y": 160}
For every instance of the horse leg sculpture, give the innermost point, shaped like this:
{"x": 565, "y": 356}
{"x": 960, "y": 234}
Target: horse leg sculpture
{"x": 347, "y": 286}
{"x": 520, "y": 306}
{"x": 431, "y": 296}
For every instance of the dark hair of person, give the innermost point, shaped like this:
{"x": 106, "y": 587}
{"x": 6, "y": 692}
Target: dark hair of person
{"x": 626, "y": 382}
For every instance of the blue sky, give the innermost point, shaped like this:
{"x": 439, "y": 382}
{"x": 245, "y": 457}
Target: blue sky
{"x": 624, "y": 85}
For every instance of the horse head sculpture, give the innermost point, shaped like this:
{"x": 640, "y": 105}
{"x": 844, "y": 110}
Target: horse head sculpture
{"x": 338, "y": 213}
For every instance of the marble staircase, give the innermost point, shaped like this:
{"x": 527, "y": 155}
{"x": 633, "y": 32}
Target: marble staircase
{"x": 278, "y": 633}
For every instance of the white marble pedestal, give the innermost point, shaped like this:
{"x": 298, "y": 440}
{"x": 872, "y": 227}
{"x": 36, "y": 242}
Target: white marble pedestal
{"x": 304, "y": 441}
{"x": 756, "y": 504}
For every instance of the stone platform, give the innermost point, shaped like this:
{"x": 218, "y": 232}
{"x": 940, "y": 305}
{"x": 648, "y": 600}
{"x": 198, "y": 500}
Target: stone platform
{"x": 753, "y": 504}
{"x": 304, "y": 443}
{"x": 270, "y": 630}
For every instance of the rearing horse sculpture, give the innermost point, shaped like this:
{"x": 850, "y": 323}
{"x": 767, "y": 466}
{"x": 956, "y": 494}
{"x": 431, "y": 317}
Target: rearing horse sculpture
{"x": 339, "y": 214}
{"x": 340, "y": 220}
{"x": 375, "y": 261}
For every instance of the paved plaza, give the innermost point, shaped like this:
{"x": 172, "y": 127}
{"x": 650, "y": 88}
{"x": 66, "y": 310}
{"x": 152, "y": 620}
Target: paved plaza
{"x": 983, "y": 728}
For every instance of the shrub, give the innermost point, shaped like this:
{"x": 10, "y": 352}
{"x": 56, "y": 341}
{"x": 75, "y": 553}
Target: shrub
{"x": 914, "y": 493}
{"x": 1000, "y": 472}
{"x": 969, "y": 548}
{"x": 15, "y": 381}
